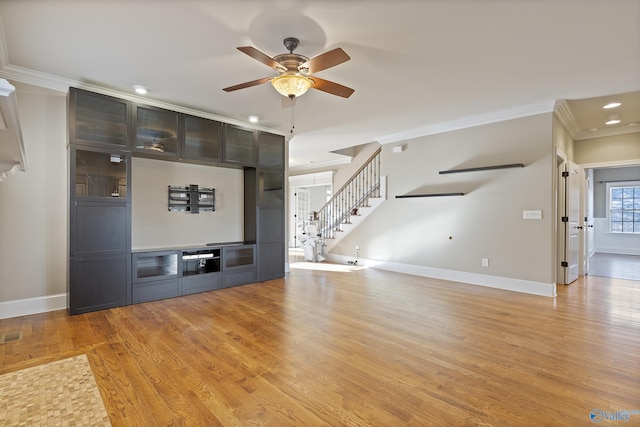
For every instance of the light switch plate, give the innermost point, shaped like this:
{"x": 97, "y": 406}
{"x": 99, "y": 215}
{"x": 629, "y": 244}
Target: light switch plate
{"x": 532, "y": 214}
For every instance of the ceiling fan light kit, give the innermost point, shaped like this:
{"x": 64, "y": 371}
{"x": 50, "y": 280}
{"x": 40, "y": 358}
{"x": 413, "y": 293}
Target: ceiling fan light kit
{"x": 294, "y": 71}
{"x": 291, "y": 85}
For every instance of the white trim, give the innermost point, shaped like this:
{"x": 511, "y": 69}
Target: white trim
{"x": 566, "y": 117}
{"x": 609, "y": 186}
{"x": 606, "y": 132}
{"x": 6, "y": 174}
{"x": 27, "y": 306}
{"x": 505, "y": 283}
{"x": 618, "y": 251}
{"x": 53, "y": 82}
{"x": 468, "y": 122}
{"x": 629, "y": 162}
{"x": 6, "y": 89}
{"x": 14, "y": 143}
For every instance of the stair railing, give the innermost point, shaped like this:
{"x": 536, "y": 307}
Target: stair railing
{"x": 364, "y": 183}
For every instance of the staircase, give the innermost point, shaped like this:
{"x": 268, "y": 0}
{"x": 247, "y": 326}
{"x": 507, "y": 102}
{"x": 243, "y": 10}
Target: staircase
{"x": 357, "y": 198}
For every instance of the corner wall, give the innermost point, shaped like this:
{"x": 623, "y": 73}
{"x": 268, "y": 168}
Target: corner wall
{"x": 33, "y": 209}
{"x": 451, "y": 235}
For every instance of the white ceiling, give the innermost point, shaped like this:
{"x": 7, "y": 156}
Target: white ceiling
{"x": 417, "y": 67}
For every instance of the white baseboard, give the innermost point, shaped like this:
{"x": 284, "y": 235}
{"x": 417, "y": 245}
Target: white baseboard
{"x": 27, "y": 306}
{"x": 506, "y": 283}
{"x": 618, "y": 251}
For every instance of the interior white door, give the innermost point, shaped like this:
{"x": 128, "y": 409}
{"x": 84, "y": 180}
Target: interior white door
{"x": 584, "y": 216}
{"x": 303, "y": 207}
{"x": 573, "y": 186}
{"x": 291, "y": 229}
{"x": 591, "y": 248}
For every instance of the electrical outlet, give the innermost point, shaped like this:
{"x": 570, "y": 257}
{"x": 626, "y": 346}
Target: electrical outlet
{"x": 357, "y": 248}
{"x": 485, "y": 262}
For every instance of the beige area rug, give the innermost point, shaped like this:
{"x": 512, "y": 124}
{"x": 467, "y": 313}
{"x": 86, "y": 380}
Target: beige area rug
{"x": 61, "y": 393}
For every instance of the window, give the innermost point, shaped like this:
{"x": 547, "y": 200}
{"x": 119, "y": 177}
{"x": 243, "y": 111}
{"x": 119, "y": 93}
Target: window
{"x": 624, "y": 207}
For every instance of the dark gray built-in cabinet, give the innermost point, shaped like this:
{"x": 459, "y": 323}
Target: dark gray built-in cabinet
{"x": 104, "y": 133}
{"x": 270, "y": 206}
{"x": 100, "y": 202}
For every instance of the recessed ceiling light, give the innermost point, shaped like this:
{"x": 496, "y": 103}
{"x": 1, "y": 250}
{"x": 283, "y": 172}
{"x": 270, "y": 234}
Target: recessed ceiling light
{"x": 613, "y": 120}
{"x": 612, "y": 105}
{"x": 253, "y": 119}
{"x": 141, "y": 90}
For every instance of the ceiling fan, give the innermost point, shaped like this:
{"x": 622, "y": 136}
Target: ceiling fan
{"x": 295, "y": 71}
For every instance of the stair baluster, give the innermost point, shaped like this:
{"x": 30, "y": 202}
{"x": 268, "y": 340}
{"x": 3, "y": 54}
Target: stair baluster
{"x": 365, "y": 183}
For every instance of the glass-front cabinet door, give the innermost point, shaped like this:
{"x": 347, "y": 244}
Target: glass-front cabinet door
{"x": 239, "y": 146}
{"x": 202, "y": 139}
{"x": 100, "y": 174}
{"x": 270, "y": 150}
{"x": 270, "y": 188}
{"x": 238, "y": 257}
{"x": 156, "y": 132}
{"x": 98, "y": 119}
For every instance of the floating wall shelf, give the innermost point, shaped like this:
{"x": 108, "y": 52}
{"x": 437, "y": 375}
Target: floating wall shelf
{"x": 484, "y": 168}
{"x": 406, "y": 196}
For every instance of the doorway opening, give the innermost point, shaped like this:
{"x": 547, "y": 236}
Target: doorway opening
{"x": 308, "y": 193}
{"x": 613, "y": 230}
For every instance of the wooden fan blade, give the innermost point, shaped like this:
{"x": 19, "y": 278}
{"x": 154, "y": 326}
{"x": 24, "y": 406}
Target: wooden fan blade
{"x": 331, "y": 87}
{"x": 259, "y": 56}
{"x": 247, "y": 84}
{"x": 325, "y": 60}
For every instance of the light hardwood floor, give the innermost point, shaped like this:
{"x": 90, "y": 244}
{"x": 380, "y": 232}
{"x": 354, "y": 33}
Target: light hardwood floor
{"x": 365, "y": 347}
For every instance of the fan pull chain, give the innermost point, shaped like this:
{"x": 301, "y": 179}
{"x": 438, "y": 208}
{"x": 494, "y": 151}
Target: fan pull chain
{"x": 293, "y": 105}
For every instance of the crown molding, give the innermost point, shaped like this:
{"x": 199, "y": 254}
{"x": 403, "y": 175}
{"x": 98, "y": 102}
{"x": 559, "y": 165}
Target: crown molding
{"x": 565, "y": 115}
{"x": 61, "y": 84}
{"x": 36, "y": 78}
{"x": 468, "y": 122}
{"x": 602, "y": 133}
{"x": 614, "y": 164}
{"x": 12, "y": 154}
{"x": 6, "y": 89}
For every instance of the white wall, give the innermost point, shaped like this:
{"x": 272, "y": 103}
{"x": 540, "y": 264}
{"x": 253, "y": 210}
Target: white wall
{"x": 455, "y": 233}
{"x": 318, "y": 196}
{"x": 33, "y": 204}
{"x": 604, "y": 241}
{"x": 154, "y": 226}
{"x": 614, "y": 243}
